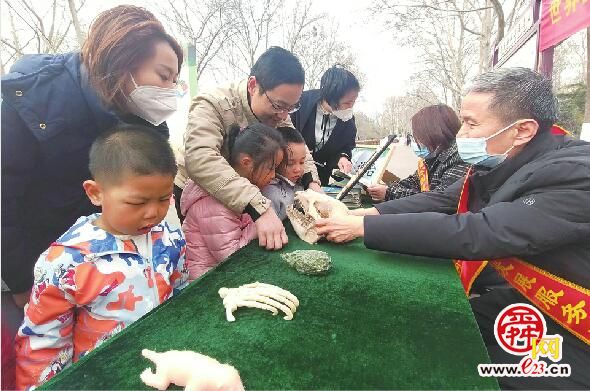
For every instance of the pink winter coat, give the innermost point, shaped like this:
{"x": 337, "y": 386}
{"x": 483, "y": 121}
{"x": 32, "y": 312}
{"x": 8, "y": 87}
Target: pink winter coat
{"x": 213, "y": 232}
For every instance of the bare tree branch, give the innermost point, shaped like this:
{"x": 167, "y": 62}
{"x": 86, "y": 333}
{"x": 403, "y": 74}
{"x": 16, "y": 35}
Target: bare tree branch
{"x": 78, "y": 28}
{"x": 17, "y": 46}
{"x": 5, "y": 42}
{"x": 501, "y": 23}
{"x": 513, "y": 12}
{"x": 34, "y": 29}
{"x": 48, "y": 41}
{"x": 205, "y": 24}
{"x": 52, "y": 28}
{"x": 432, "y": 7}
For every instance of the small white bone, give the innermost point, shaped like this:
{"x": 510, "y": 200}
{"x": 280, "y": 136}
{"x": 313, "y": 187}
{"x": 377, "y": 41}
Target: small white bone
{"x": 271, "y": 302}
{"x": 274, "y": 288}
{"x": 258, "y": 295}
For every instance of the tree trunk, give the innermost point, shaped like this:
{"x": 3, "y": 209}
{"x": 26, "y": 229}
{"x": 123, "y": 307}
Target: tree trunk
{"x": 485, "y": 40}
{"x": 501, "y": 23}
{"x": 15, "y": 39}
{"x": 76, "y": 22}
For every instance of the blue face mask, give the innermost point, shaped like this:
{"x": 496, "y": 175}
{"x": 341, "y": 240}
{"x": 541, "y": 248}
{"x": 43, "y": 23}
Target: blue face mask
{"x": 475, "y": 150}
{"x": 421, "y": 152}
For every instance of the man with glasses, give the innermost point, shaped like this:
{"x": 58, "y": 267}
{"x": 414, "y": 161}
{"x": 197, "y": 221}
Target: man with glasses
{"x": 269, "y": 95}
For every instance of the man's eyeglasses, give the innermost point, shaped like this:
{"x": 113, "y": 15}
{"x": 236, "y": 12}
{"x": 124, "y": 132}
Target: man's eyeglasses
{"x": 279, "y": 109}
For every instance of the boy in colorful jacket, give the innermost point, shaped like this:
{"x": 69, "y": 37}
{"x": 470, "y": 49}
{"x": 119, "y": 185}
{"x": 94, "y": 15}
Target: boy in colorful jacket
{"x": 109, "y": 269}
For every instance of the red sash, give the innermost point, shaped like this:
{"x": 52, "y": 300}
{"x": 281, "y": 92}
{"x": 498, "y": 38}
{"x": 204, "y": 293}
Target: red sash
{"x": 565, "y": 302}
{"x": 423, "y": 175}
{"x": 559, "y": 131}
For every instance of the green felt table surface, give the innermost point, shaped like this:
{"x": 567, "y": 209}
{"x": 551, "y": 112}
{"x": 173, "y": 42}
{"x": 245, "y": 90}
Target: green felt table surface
{"x": 377, "y": 321}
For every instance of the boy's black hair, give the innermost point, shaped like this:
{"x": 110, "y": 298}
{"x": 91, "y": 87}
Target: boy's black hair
{"x": 277, "y": 66}
{"x": 336, "y": 82}
{"x": 291, "y": 135}
{"x": 130, "y": 149}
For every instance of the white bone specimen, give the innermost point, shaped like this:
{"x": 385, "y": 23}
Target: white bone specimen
{"x": 309, "y": 206}
{"x": 258, "y": 295}
{"x": 191, "y": 370}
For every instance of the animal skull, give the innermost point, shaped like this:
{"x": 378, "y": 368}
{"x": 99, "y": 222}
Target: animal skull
{"x": 309, "y": 206}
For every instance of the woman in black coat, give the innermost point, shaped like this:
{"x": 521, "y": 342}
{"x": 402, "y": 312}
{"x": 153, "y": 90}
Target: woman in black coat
{"x": 326, "y": 121}
{"x": 54, "y": 106}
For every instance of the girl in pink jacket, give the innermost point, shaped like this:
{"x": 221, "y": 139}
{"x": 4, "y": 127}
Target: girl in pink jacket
{"x": 213, "y": 231}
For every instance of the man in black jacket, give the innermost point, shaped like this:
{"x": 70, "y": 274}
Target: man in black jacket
{"x": 525, "y": 204}
{"x": 326, "y": 121}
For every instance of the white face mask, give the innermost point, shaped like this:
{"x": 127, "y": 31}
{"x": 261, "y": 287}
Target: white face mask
{"x": 343, "y": 115}
{"x": 154, "y": 104}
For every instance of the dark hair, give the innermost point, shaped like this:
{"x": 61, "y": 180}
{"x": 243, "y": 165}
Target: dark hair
{"x": 259, "y": 141}
{"x": 130, "y": 149}
{"x": 277, "y": 66}
{"x": 518, "y": 93}
{"x": 435, "y": 127}
{"x": 336, "y": 82}
{"x": 119, "y": 41}
{"x": 291, "y": 135}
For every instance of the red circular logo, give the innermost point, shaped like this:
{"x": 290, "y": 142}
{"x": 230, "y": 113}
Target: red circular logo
{"x": 516, "y": 326}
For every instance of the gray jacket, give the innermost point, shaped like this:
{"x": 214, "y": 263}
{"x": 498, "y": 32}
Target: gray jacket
{"x": 281, "y": 192}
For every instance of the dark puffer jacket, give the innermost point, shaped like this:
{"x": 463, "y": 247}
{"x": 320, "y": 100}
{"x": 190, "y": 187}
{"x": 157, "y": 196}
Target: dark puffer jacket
{"x": 50, "y": 117}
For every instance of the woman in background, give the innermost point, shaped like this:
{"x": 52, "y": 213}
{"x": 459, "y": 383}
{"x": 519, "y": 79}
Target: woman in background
{"x": 326, "y": 121}
{"x": 434, "y": 129}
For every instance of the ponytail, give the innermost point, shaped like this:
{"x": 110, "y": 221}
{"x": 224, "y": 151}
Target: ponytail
{"x": 233, "y": 133}
{"x": 259, "y": 141}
